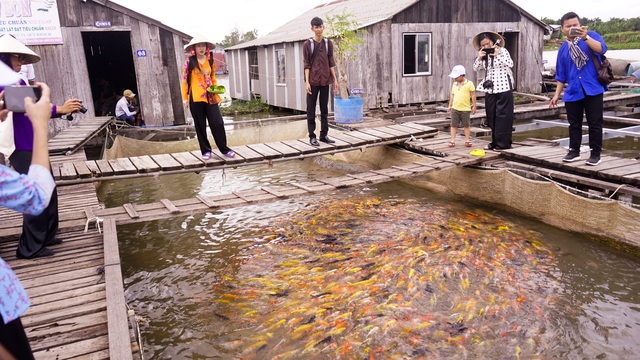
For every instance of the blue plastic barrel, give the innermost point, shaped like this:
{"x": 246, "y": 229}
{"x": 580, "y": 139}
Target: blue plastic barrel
{"x": 346, "y": 111}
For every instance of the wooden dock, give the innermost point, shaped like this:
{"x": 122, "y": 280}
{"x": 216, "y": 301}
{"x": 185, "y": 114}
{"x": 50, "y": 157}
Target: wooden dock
{"x": 75, "y": 172}
{"x": 78, "y": 307}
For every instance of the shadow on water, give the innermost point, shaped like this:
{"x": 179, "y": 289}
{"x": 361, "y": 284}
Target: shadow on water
{"x": 193, "y": 280}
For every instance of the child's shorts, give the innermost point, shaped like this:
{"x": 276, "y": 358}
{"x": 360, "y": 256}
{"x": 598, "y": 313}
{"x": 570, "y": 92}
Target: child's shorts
{"x": 460, "y": 118}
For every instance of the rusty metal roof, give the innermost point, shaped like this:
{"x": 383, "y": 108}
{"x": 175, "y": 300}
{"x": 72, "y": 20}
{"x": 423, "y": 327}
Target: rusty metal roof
{"x": 364, "y": 12}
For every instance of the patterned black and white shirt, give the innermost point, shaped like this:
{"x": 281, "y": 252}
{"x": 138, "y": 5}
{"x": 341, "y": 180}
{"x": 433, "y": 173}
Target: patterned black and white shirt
{"x": 498, "y": 70}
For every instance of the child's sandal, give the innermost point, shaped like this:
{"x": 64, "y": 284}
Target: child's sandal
{"x": 452, "y": 144}
{"x": 468, "y": 144}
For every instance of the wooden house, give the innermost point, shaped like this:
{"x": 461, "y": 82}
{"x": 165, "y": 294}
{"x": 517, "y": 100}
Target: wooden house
{"x": 409, "y": 49}
{"x": 107, "y": 48}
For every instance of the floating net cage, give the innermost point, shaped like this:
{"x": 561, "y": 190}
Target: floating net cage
{"x": 544, "y": 200}
{"x": 259, "y": 132}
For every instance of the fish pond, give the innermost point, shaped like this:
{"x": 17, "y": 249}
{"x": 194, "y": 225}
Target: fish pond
{"x": 389, "y": 271}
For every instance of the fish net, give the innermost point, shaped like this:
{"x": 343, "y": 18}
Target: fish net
{"x": 237, "y": 134}
{"x": 546, "y": 201}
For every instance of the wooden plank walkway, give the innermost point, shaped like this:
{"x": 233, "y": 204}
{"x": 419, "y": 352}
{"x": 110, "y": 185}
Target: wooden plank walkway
{"x": 78, "y": 307}
{"x": 73, "y": 138}
{"x": 75, "y": 172}
{"x": 612, "y": 169}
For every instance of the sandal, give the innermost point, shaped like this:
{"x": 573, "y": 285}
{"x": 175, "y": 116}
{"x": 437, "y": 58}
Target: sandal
{"x": 488, "y": 147}
{"x": 468, "y": 144}
{"x": 452, "y": 144}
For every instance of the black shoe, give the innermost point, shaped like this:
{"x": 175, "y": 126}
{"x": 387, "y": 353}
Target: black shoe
{"x": 327, "y": 140}
{"x": 572, "y": 155}
{"x": 593, "y": 160}
{"x": 44, "y": 252}
{"x": 314, "y": 142}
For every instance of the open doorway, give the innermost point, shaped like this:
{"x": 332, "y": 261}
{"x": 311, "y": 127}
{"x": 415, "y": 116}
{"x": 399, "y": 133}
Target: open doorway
{"x": 111, "y": 69}
{"x": 512, "y": 44}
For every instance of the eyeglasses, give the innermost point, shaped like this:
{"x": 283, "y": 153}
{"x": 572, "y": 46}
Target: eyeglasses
{"x": 20, "y": 57}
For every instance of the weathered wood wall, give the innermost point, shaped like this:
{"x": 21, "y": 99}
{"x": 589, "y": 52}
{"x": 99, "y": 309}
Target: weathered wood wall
{"x": 290, "y": 94}
{"x": 378, "y": 69}
{"x": 64, "y": 67}
{"x": 459, "y": 11}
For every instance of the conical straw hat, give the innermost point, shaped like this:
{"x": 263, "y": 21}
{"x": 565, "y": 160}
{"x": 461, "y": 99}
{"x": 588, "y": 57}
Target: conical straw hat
{"x": 199, "y": 38}
{"x": 494, "y": 37}
{"x": 11, "y": 45}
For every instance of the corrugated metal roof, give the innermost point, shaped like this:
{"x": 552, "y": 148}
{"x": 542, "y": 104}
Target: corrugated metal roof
{"x": 365, "y": 12}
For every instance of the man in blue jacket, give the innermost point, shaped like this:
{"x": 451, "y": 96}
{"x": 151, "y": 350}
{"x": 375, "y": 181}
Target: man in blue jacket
{"x": 575, "y": 66}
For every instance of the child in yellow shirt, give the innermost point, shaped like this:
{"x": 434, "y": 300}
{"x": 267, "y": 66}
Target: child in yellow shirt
{"x": 462, "y": 104}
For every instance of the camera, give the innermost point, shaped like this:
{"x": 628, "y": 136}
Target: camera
{"x": 573, "y": 31}
{"x": 487, "y": 84}
{"x": 69, "y": 116}
{"x": 489, "y": 50}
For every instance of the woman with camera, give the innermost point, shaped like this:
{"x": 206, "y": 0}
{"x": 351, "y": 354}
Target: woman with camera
{"x": 498, "y": 85}
{"x": 38, "y": 231}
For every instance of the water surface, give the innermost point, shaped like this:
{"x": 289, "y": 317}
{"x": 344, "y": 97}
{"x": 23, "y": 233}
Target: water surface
{"x": 190, "y": 279}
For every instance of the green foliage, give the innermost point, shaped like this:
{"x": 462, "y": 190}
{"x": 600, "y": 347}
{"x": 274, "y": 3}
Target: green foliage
{"x": 343, "y": 31}
{"x": 236, "y": 37}
{"x": 623, "y": 46}
{"x": 622, "y": 37}
{"x": 245, "y": 107}
{"x": 614, "y": 25}
{"x": 546, "y": 20}
{"x": 618, "y": 33}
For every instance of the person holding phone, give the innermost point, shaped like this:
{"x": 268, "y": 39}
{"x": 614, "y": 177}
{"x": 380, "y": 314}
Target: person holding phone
{"x": 29, "y": 194}
{"x": 38, "y": 231}
{"x": 584, "y": 94}
{"x": 498, "y": 85}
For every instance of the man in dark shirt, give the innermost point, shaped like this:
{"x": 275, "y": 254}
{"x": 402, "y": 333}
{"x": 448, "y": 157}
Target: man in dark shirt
{"x": 319, "y": 73}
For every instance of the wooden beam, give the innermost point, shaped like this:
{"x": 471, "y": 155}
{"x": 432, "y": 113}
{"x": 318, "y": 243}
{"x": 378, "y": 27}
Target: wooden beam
{"x": 119, "y": 341}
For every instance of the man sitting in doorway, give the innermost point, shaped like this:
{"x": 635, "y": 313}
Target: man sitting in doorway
{"x": 124, "y": 108}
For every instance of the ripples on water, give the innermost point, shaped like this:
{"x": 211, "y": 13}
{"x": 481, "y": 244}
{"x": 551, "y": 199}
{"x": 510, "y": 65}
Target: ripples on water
{"x": 174, "y": 270}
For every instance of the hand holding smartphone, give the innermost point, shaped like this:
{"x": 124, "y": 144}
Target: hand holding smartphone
{"x": 14, "y": 96}
{"x": 577, "y": 31}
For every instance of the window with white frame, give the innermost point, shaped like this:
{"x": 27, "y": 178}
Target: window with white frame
{"x": 254, "y": 74}
{"x": 416, "y": 49}
{"x": 281, "y": 63}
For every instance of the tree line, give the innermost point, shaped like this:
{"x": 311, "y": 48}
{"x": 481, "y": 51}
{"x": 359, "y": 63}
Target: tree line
{"x": 614, "y": 25}
{"x": 236, "y": 37}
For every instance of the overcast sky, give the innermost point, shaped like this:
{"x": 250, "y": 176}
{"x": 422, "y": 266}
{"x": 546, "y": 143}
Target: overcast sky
{"x": 215, "y": 19}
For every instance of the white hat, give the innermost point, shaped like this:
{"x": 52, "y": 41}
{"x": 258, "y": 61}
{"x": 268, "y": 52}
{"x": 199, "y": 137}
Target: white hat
{"x": 11, "y": 45}
{"x": 457, "y": 71}
{"x": 198, "y": 39}
{"x": 128, "y": 93}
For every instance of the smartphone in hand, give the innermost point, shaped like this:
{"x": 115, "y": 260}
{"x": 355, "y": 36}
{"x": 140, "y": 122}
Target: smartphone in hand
{"x": 14, "y": 96}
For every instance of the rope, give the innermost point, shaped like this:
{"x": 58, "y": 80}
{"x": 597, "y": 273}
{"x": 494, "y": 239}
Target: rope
{"x": 574, "y": 189}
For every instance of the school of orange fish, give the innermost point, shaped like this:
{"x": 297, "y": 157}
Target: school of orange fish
{"x": 371, "y": 279}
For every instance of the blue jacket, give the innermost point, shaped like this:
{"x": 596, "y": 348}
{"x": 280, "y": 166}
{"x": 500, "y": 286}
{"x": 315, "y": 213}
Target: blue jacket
{"x": 577, "y": 80}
